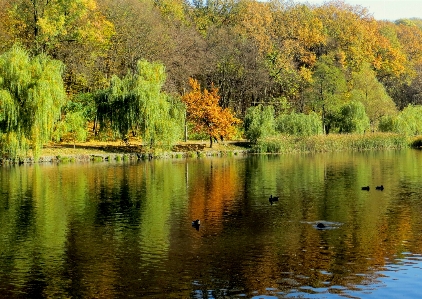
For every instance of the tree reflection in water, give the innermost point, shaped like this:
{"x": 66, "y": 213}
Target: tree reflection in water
{"x": 117, "y": 229}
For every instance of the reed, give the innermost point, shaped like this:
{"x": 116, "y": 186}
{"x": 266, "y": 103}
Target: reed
{"x": 331, "y": 143}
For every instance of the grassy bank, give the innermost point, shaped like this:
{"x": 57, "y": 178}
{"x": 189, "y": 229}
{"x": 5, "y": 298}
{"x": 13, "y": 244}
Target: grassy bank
{"x": 97, "y": 151}
{"x": 332, "y": 143}
{"x": 115, "y": 151}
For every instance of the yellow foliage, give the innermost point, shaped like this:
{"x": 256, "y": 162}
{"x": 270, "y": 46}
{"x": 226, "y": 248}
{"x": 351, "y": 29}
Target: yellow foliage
{"x": 204, "y": 111}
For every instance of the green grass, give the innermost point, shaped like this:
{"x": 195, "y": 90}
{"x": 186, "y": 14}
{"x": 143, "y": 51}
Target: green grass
{"x": 331, "y": 143}
{"x": 64, "y": 159}
{"x": 97, "y": 159}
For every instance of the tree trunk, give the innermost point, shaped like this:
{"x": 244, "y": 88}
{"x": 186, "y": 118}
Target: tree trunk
{"x": 211, "y": 140}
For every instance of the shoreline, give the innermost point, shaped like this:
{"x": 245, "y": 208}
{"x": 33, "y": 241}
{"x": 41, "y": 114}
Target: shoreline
{"x": 98, "y": 151}
{"x": 114, "y": 151}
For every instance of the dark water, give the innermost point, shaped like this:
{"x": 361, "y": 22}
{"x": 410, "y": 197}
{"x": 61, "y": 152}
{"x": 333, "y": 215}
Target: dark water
{"x": 116, "y": 230}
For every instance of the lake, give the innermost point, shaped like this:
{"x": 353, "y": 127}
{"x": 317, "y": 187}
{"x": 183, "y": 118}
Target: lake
{"x": 124, "y": 229}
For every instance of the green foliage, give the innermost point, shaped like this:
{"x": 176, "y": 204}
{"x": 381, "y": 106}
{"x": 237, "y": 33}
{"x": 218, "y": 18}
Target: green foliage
{"x": 73, "y": 123}
{"x": 85, "y": 103}
{"x": 31, "y": 97}
{"x": 328, "y": 90}
{"x": 329, "y": 84}
{"x": 299, "y": 124}
{"x": 386, "y": 124}
{"x": 259, "y": 122}
{"x": 353, "y": 118}
{"x": 407, "y": 122}
{"x": 136, "y": 103}
{"x": 330, "y": 143}
{"x": 76, "y": 115}
{"x": 372, "y": 94}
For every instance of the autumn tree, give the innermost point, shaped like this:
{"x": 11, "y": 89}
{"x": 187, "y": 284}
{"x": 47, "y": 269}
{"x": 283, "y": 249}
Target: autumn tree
{"x": 74, "y": 32}
{"x": 203, "y": 110}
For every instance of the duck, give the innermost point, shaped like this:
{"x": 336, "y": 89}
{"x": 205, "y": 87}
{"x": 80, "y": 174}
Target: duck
{"x": 320, "y": 225}
{"x": 379, "y": 187}
{"x": 365, "y": 188}
{"x": 273, "y": 199}
{"x": 196, "y": 223}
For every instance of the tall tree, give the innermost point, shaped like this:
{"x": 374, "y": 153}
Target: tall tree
{"x": 329, "y": 90}
{"x": 372, "y": 94}
{"x": 31, "y": 96}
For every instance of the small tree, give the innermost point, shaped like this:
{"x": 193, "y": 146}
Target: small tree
{"x": 259, "y": 122}
{"x": 407, "y": 122}
{"x": 353, "y": 118}
{"x": 299, "y": 124}
{"x": 203, "y": 110}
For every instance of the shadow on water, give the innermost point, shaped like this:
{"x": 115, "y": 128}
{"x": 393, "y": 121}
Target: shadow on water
{"x": 113, "y": 230}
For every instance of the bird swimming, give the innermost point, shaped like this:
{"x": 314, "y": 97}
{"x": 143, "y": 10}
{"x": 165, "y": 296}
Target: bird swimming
{"x": 365, "y": 188}
{"x": 379, "y": 187}
{"x": 320, "y": 225}
{"x": 196, "y": 223}
{"x": 272, "y": 199}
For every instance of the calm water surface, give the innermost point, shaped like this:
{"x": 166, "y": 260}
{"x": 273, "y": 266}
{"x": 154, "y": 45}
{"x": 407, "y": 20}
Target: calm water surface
{"x": 123, "y": 230}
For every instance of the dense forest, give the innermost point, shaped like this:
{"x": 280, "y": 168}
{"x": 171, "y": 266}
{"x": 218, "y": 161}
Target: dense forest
{"x": 135, "y": 66}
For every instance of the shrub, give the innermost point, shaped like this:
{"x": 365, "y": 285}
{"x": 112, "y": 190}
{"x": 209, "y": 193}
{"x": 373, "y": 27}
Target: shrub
{"x": 259, "y": 122}
{"x": 331, "y": 143}
{"x": 407, "y": 122}
{"x": 299, "y": 124}
{"x": 353, "y": 118}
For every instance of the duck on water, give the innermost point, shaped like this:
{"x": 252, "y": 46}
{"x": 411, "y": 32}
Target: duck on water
{"x": 273, "y": 199}
{"x": 196, "y": 223}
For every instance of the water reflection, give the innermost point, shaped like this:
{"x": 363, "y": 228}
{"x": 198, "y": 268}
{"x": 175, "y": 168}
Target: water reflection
{"x": 112, "y": 230}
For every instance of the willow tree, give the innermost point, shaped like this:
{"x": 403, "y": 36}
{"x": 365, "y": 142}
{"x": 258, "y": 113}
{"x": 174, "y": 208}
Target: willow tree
{"x": 136, "y": 103}
{"x": 31, "y": 96}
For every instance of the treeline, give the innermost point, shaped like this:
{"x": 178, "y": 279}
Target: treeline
{"x": 332, "y": 61}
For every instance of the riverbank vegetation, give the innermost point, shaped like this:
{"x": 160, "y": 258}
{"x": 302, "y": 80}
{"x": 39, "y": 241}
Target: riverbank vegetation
{"x": 286, "y": 76}
{"x": 331, "y": 143}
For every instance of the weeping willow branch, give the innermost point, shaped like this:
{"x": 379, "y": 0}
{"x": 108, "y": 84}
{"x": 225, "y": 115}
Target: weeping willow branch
{"x": 31, "y": 96}
{"x": 136, "y": 103}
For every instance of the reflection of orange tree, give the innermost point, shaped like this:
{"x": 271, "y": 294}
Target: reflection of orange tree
{"x": 214, "y": 194}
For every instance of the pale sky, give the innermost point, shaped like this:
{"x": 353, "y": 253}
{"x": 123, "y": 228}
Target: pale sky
{"x": 384, "y": 9}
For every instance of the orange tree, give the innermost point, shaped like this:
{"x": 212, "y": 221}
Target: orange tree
{"x": 205, "y": 113}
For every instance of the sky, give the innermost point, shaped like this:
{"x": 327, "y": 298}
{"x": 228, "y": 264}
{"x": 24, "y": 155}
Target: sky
{"x": 385, "y": 9}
